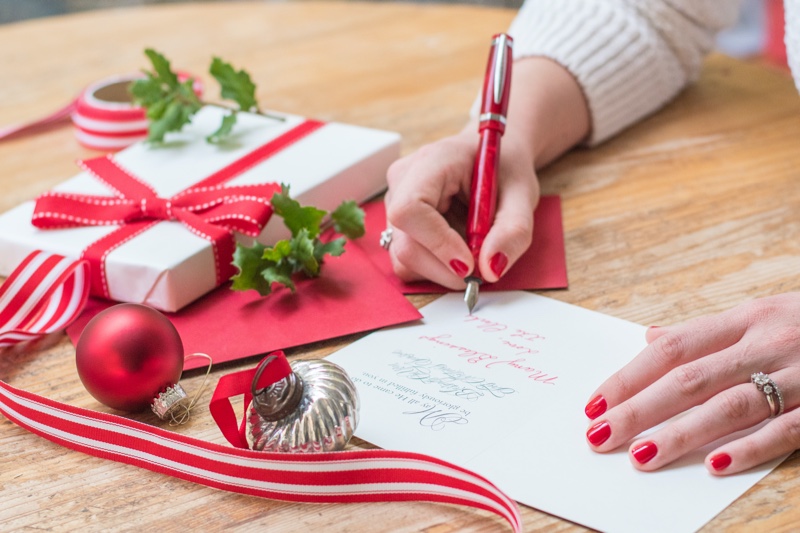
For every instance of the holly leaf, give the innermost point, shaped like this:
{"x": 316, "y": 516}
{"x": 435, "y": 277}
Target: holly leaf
{"x": 157, "y": 109}
{"x": 281, "y": 274}
{"x": 334, "y": 248}
{"x": 248, "y": 261}
{"x": 148, "y": 92}
{"x": 162, "y": 68}
{"x": 235, "y": 85}
{"x": 169, "y": 103}
{"x": 228, "y": 122}
{"x": 173, "y": 119}
{"x": 296, "y": 217}
{"x": 302, "y": 254}
{"x": 348, "y": 219}
{"x": 279, "y": 252}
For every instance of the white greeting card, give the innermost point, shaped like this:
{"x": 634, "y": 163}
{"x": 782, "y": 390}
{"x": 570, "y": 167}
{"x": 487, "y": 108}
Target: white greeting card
{"x": 502, "y": 392}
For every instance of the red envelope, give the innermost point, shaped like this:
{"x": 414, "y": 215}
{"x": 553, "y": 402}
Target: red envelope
{"x": 349, "y": 297}
{"x": 543, "y": 266}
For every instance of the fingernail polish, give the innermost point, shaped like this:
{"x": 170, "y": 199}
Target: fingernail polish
{"x": 596, "y": 407}
{"x": 498, "y": 263}
{"x": 459, "y": 267}
{"x": 644, "y": 452}
{"x": 598, "y": 433}
{"x": 721, "y": 461}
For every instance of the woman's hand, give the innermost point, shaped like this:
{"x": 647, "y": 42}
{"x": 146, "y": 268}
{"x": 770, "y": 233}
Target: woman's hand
{"x": 426, "y": 201}
{"x": 707, "y": 363}
{"x": 426, "y": 205}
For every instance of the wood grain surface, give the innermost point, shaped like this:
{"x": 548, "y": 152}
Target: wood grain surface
{"x": 691, "y": 212}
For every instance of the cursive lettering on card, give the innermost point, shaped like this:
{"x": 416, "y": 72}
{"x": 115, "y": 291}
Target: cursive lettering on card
{"x": 490, "y": 360}
{"x": 447, "y": 379}
{"x": 533, "y": 373}
{"x": 472, "y": 356}
{"x": 438, "y": 419}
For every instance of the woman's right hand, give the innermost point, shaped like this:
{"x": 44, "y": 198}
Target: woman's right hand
{"x": 428, "y": 190}
{"x": 426, "y": 209}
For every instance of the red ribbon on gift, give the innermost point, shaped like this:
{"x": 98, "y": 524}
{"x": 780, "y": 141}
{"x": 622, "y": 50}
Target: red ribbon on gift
{"x": 208, "y": 209}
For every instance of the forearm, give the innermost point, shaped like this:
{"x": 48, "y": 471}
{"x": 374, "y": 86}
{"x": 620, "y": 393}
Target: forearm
{"x": 547, "y": 112}
{"x": 629, "y": 58}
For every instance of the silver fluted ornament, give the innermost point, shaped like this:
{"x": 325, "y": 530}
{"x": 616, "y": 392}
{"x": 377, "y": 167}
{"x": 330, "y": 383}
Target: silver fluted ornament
{"x": 313, "y": 409}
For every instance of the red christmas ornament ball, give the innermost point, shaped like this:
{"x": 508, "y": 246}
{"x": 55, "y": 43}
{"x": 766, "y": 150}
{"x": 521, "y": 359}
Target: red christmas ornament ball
{"x": 127, "y": 355}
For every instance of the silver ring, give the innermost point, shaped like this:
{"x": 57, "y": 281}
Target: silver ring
{"x": 386, "y": 238}
{"x": 774, "y": 397}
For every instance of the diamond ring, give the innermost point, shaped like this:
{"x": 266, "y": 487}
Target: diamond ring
{"x": 774, "y": 397}
{"x": 386, "y": 238}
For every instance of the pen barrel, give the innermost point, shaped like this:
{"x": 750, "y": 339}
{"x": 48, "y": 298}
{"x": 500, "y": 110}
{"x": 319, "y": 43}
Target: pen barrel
{"x": 483, "y": 191}
{"x": 492, "y": 125}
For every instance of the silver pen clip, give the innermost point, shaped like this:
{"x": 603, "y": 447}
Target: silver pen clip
{"x": 500, "y": 64}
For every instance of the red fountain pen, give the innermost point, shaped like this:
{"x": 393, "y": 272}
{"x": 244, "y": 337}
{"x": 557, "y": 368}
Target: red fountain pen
{"x": 491, "y": 126}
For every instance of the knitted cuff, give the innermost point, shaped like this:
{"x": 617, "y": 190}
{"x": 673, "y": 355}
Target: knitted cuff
{"x": 622, "y": 64}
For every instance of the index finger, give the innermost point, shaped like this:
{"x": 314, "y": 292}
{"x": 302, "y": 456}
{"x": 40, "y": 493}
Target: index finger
{"x": 417, "y": 202}
{"x": 673, "y": 347}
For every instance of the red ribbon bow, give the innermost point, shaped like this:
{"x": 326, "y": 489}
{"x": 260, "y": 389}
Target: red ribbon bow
{"x": 243, "y": 208}
{"x": 209, "y": 209}
{"x": 211, "y": 212}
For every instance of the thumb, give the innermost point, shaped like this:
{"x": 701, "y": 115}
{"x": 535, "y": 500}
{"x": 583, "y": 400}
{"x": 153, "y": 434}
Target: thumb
{"x": 512, "y": 229}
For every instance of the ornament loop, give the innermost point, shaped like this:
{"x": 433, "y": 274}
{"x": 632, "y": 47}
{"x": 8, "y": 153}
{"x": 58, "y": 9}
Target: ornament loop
{"x": 276, "y": 400}
{"x": 260, "y": 370}
{"x": 171, "y": 402}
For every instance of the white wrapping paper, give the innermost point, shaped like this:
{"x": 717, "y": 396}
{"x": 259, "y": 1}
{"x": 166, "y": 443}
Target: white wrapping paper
{"x": 168, "y": 267}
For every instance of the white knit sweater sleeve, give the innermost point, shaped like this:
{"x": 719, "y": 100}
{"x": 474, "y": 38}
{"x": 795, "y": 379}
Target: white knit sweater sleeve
{"x": 629, "y": 56}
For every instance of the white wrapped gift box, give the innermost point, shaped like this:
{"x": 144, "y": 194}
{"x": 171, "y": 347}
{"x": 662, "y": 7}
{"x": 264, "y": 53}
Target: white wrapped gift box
{"x": 167, "y": 266}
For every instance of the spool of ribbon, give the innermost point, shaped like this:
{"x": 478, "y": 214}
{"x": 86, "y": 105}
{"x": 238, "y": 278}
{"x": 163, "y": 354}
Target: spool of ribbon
{"x": 105, "y": 117}
{"x": 103, "y": 114}
{"x": 46, "y": 292}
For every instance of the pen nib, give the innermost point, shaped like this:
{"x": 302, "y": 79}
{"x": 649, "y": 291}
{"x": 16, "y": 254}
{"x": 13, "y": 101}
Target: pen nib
{"x": 471, "y": 294}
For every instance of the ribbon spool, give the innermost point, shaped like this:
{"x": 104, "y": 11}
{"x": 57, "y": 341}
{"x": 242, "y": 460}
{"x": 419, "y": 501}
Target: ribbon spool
{"x": 105, "y": 117}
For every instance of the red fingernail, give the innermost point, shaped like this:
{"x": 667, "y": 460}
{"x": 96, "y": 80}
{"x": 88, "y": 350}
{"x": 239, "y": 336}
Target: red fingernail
{"x": 721, "y": 461}
{"x": 596, "y": 407}
{"x": 644, "y": 452}
{"x": 598, "y": 433}
{"x": 459, "y": 267}
{"x": 498, "y": 263}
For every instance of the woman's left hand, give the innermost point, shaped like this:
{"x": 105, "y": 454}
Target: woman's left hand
{"x": 706, "y": 364}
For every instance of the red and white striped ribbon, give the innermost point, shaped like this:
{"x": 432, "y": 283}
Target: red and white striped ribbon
{"x": 103, "y": 115}
{"x": 52, "y": 120}
{"x": 43, "y": 295}
{"x": 348, "y": 476}
{"x": 109, "y": 122}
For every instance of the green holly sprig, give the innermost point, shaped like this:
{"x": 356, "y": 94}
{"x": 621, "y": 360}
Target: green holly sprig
{"x": 260, "y": 266}
{"x": 170, "y": 103}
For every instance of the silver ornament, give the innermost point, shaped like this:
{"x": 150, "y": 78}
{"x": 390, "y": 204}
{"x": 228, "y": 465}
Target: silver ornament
{"x": 313, "y": 409}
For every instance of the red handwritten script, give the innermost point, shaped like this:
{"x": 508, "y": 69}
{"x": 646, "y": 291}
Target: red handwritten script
{"x": 514, "y": 345}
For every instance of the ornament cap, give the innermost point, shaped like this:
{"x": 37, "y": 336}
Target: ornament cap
{"x": 170, "y": 400}
{"x": 279, "y": 399}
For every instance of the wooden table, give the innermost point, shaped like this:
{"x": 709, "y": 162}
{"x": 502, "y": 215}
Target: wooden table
{"x": 690, "y": 212}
